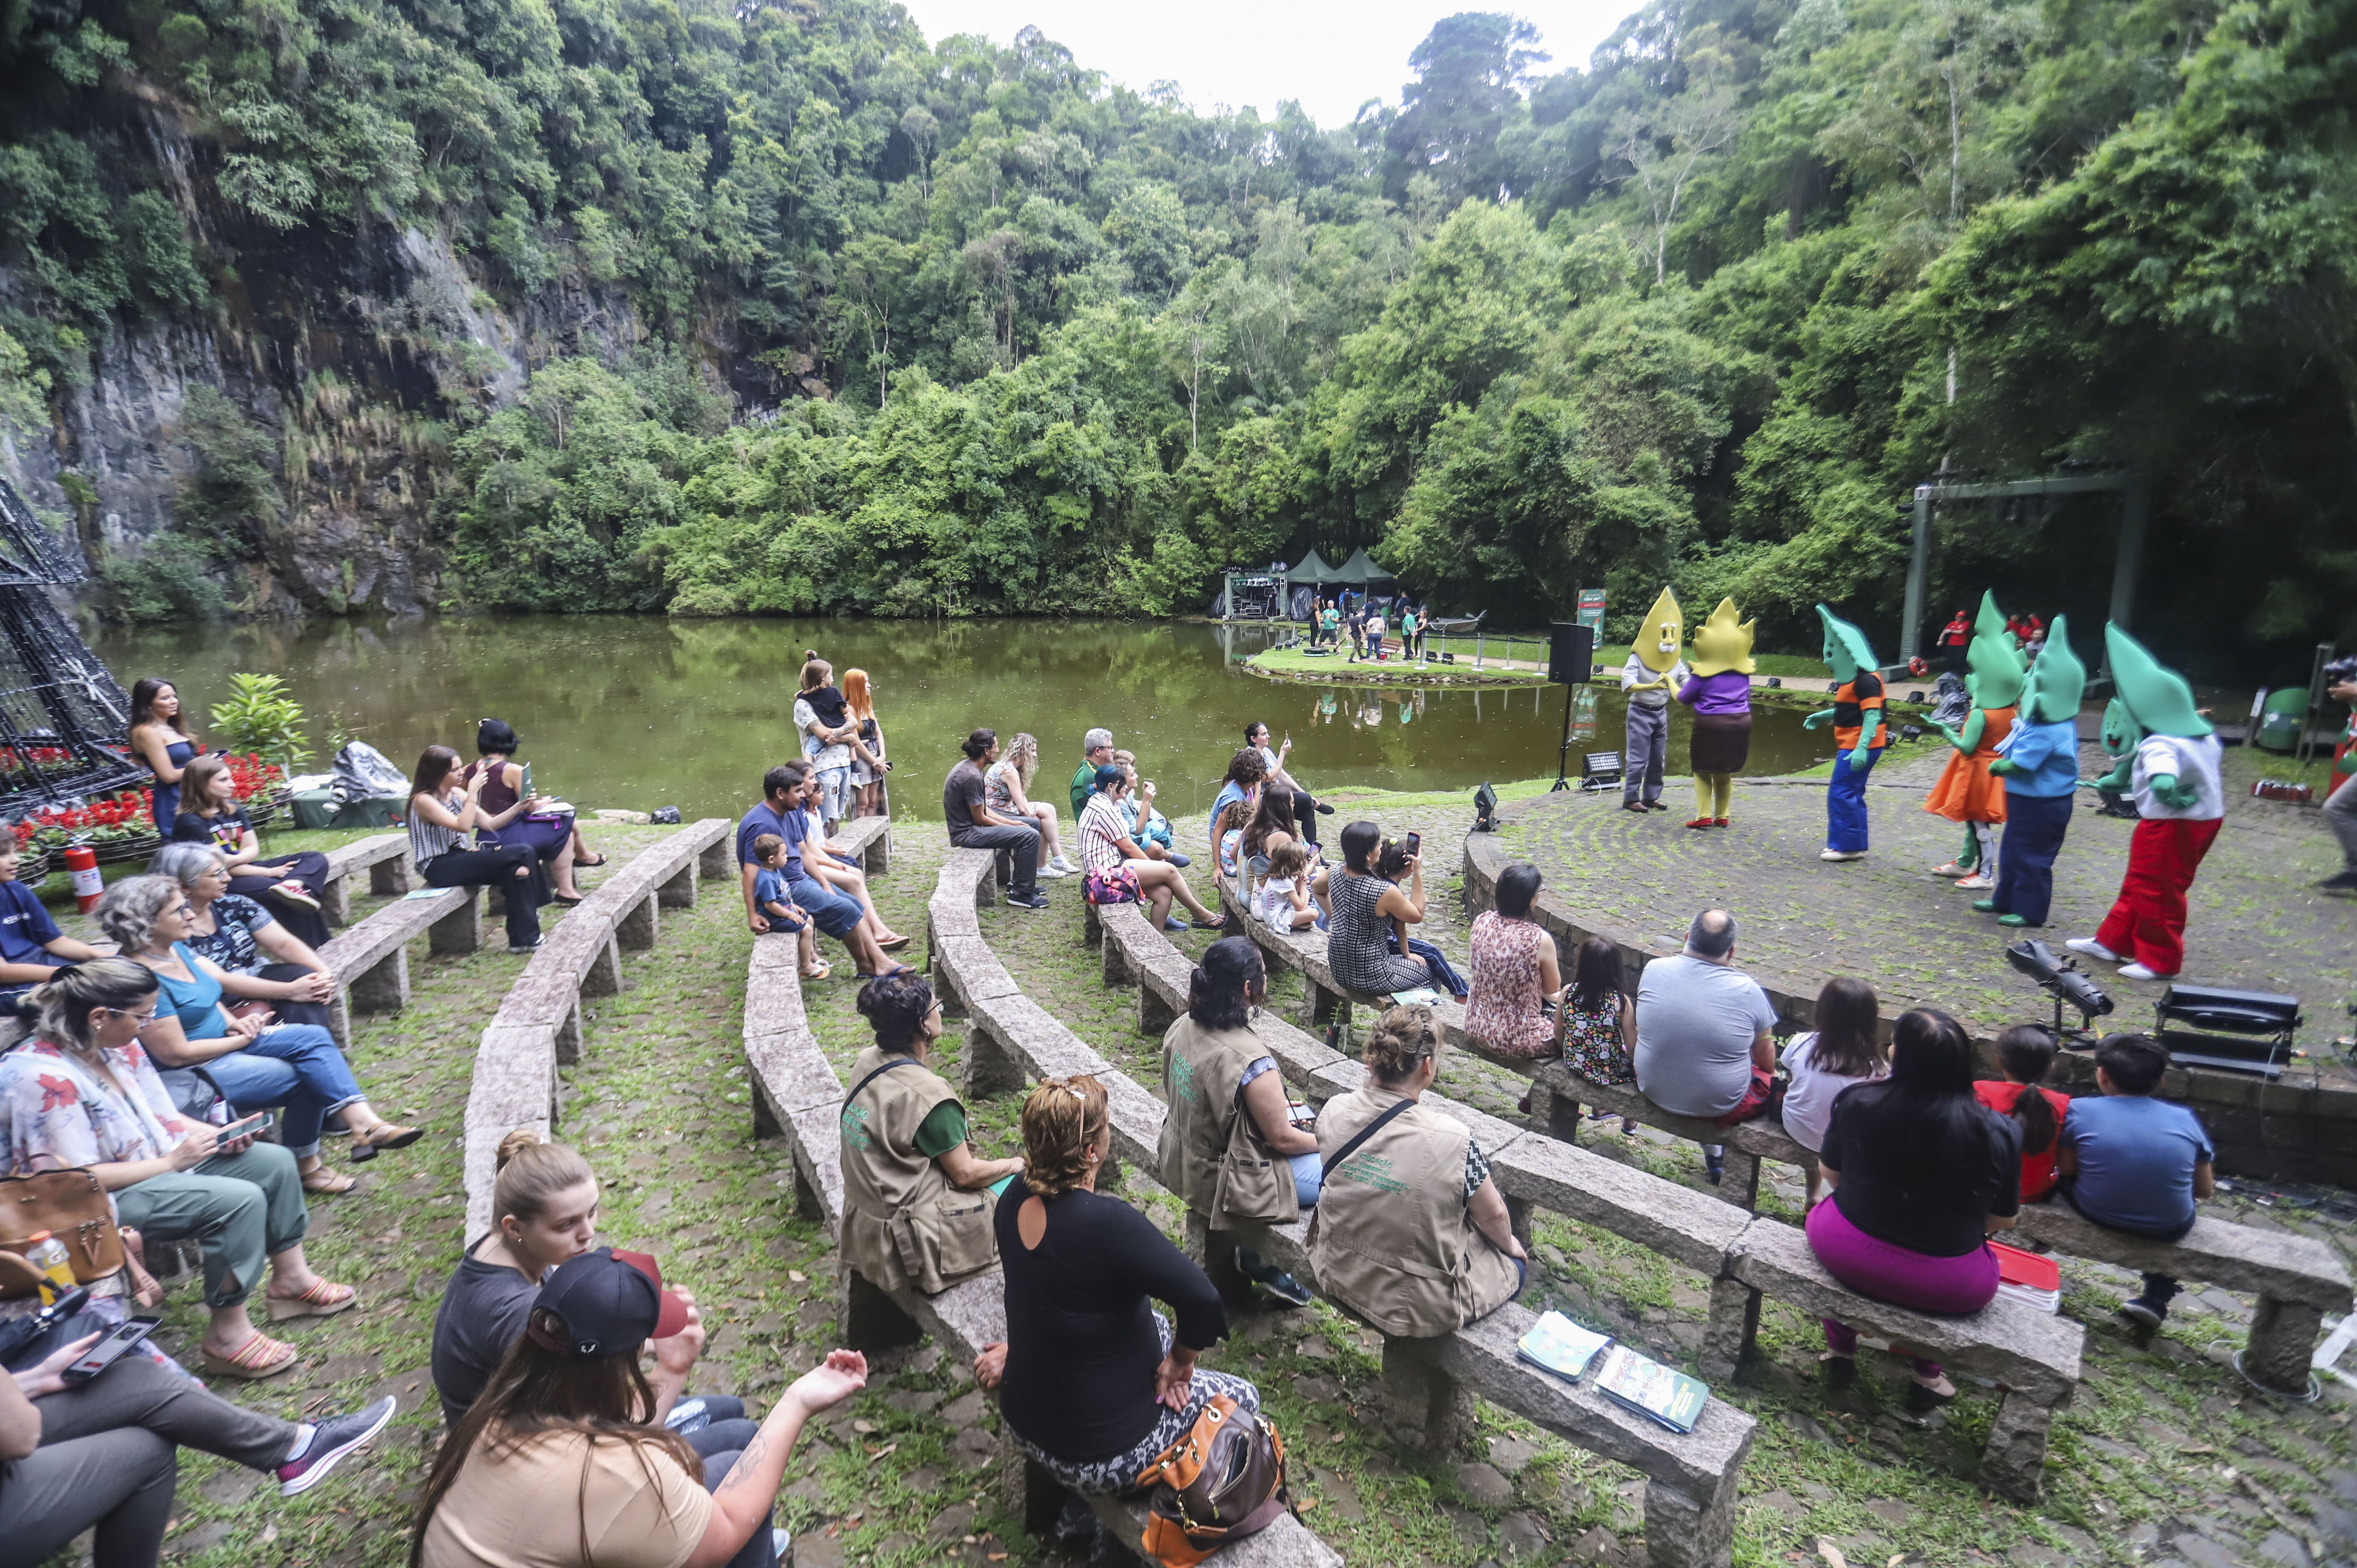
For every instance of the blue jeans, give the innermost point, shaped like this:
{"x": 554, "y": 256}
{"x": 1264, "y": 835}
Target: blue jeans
{"x": 1846, "y": 804}
{"x": 293, "y": 1067}
{"x": 836, "y": 913}
{"x": 1308, "y": 1177}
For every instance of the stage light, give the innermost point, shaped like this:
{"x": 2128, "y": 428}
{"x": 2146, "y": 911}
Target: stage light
{"x": 1485, "y": 809}
{"x": 2063, "y": 980}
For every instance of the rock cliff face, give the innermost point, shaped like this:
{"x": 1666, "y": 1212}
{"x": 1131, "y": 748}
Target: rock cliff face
{"x": 358, "y": 353}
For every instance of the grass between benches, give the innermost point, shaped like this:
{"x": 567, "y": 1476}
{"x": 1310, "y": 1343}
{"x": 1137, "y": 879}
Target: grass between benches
{"x": 660, "y": 1103}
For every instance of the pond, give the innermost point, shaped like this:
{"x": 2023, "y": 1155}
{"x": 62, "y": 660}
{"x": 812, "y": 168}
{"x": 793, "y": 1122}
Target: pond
{"x": 646, "y": 711}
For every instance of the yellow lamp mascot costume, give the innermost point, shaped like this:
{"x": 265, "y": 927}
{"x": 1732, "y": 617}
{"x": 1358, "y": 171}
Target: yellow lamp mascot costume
{"x": 1720, "y": 696}
{"x": 1654, "y": 671}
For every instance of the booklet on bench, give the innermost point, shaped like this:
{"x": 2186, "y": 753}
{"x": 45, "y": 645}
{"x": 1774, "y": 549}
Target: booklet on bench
{"x": 1557, "y": 1345}
{"x": 1666, "y": 1394}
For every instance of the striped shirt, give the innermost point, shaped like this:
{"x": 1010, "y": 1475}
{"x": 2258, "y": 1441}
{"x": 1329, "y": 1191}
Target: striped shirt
{"x": 427, "y": 839}
{"x": 1102, "y": 831}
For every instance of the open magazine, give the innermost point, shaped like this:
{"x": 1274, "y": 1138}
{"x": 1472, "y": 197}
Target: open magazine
{"x": 1555, "y": 1344}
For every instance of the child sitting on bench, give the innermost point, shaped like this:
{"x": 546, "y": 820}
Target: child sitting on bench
{"x": 773, "y": 896}
{"x": 2132, "y": 1162}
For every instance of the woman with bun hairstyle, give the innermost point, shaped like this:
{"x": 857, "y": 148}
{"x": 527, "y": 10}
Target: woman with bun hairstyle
{"x": 561, "y": 1463}
{"x": 823, "y": 717}
{"x": 444, "y": 811}
{"x": 83, "y": 1094}
{"x": 509, "y": 817}
{"x": 545, "y": 1211}
{"x": 916, "y": 1200}
{"x": 1411, "y": 1232}
{"x": 1094, "y": 1382}
{"x": 1230, "y": 1147}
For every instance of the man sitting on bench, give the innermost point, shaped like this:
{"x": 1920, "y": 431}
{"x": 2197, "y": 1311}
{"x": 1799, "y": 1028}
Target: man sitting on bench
{"x": 2131, "y": 1163}
{"x": 1704, "y": 1040}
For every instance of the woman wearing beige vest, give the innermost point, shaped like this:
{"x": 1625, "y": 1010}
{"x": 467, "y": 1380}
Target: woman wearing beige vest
{"x": 1411, "y": 1233}
{"x": 1229, "y": 1148}
{"x": 916, "y": 1200}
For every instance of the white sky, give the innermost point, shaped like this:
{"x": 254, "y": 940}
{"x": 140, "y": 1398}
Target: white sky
{"x": 1332, "y": 55}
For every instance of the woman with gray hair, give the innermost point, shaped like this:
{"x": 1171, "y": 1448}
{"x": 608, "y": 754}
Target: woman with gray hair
{"x": 244, "y": 939}
{"x": 255, "y": 1063}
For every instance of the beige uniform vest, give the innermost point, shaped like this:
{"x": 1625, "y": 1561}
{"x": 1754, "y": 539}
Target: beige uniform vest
{"x": 1211, "y": 1153}
{"x": 903, "y": 1221}
{"x": 1393, "y": 1240}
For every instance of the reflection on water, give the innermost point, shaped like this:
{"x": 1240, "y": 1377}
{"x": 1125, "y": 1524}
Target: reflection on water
{"x": 645, "y": 711}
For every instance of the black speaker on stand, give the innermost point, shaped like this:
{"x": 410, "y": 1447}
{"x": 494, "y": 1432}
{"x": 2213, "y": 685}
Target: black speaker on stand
{"x": 1571, "y": 660}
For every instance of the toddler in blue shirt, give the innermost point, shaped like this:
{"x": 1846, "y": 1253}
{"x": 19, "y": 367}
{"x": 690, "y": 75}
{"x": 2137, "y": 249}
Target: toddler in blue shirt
{"x": 773, "y": 896}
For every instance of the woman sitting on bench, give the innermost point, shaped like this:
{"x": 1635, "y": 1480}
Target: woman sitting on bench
{"x": 444, "y": 814}
{"x": 1921, "y": 1173}
{"x": 916, "y": 1201}
{"x": 1411, "y": 1232}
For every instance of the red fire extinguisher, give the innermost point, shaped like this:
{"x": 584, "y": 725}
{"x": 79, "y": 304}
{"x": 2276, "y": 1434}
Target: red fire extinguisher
{"x": 82, "y": 865}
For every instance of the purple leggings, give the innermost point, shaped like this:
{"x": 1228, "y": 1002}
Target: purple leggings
{"x": 1949, "y": 1286}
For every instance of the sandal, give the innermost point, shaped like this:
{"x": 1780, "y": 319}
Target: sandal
{"x": 320, "y": 1179}
{"x": 561, "y": 898}
{"x": 820, "y": 973}
{"x": 1219, "y": 925}
{"x": 892, "y": 944}
{"x": 260, "y": 1357}
{"x": 385, "y": 1135}
{"x": 904, "y": 969}
{"x": 578, "y": 861}
{"x": 321, "y": 1300}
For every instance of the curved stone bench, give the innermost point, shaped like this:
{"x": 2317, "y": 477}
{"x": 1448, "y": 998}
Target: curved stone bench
{"x": 370, "y": 960}
{"x": 385, "y": 856}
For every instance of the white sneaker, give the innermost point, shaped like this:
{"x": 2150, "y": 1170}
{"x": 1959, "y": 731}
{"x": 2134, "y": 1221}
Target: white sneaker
{"x": 1066, "y": 867}
{"x": 1951, "y": 869}
{"x": 1975, "y": 880}
{"x": 1842, "y": 854}
{"x": 1050, "y": 869}
{"x": 2139, "y": 972}
{"x": 2091, "y": 948}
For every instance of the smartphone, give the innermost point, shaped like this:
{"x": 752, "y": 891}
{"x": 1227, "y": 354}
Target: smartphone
{"x": 1414, "y": 846}
{"x": 104, "y": 1354}
{"x": 246, "y": 1126}
{"x": 527, "y": 780}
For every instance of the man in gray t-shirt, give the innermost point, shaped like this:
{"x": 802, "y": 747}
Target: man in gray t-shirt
{"x": 1704, "y": 1040}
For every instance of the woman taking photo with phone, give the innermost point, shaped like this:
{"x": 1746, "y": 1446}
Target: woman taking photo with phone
{"x": 83, "y": 1094}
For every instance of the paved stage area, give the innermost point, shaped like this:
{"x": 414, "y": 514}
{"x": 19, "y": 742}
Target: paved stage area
{"x": 2256, "y": 920}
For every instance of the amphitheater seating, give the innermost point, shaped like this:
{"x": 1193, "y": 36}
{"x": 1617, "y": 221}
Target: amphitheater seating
{"x": 385, "y": 856}
{"x": 370, "y": 960}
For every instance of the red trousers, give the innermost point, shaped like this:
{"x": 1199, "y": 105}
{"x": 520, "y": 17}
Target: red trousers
{"x": 2148, "y": 921}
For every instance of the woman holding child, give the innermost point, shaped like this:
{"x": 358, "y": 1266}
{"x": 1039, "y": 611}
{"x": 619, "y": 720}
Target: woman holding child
{"x": 917, "y": 1201}
{"x": 822, "y": 718}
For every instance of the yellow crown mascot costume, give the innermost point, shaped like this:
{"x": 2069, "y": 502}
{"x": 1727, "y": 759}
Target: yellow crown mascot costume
{"x": 1720, "y": 696}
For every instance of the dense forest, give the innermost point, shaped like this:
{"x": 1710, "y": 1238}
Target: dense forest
{"x": 817, "y": 317}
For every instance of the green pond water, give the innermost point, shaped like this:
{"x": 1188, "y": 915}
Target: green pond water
{"x": 647, "y": 711}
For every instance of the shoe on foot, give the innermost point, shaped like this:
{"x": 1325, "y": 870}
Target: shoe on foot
{"x": 2139, "y": 972}
{"x": 1632, "y": 806}
{"x": 1840, "y": 1371}
{"x": 1175, "y": 858}
{"x": 1274, "y": 1280}
{"x": 782, "y": 1544}
{"x": 1062, "y": 864}
{"x": 2010, "y": 920}
{"x": 1324, "y": 810}
{"x": 1713, "y": 1169}
{"x": 295, "y": 892}
{"x": 1986, "y": 907}
{"x": 1655, "y": 806}
{"x": 1051, "y": 871}
{"x": 1841, "y": 854}
{"x": 1699, "y": 822}
{"x": 2142, "y": 1313}
{"x": 1034, "y": 901}
{"x": 1951, "y": 869}
{"x": 330, "y": 1441}
{"x": 2339, "y": 882}
{"x": 1718, "y": 822}
{"x": 2090, "y": 948}
{"x": 1976, "y": 882}
{"x": 526, "y": 947}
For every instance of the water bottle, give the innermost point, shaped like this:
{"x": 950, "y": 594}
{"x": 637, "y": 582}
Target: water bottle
{"x": 49, "y": 1255}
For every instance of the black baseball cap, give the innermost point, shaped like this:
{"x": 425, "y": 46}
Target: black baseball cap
{"x": 610, "y": 1303}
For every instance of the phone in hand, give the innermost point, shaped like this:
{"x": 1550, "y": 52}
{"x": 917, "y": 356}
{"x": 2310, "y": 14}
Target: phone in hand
{"x": 244, "y": 1127}
{"x": 1414, "y": 846}
{"x": 105, "y": 1353}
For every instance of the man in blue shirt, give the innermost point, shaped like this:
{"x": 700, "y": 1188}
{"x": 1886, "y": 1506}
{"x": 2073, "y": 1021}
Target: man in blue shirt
{"x": 780, "y": 813}
{"x": 2132, "y": 1162}
{"x": 31, "y": 947}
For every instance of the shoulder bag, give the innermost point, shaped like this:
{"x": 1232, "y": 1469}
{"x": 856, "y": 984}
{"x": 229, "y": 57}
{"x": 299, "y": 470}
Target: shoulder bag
{"x": 1222, "y": 1481}
{"x": 70, "y": 1206}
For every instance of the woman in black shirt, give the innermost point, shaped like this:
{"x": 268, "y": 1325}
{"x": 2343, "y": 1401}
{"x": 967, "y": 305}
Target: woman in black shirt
{"x": 286, "y": 885}
{"x": 1093, "y": 1381}
{"x": 1920, "y": 1172}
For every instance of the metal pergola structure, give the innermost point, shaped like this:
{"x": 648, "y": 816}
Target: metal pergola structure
{"x": 2136, "y": 521}
{"x": 63, "y": 718}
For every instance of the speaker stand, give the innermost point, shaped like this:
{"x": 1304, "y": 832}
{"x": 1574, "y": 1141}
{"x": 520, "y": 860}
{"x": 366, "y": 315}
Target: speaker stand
{"x": 1563, "y": 756}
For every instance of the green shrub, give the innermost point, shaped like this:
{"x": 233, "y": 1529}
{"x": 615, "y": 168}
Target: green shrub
{"x": 260, "y": 717}
{"x": 168, "y": 583}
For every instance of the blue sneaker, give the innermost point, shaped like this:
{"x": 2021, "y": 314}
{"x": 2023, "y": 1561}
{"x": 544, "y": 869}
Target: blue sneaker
{"x": 330, "y": 1441}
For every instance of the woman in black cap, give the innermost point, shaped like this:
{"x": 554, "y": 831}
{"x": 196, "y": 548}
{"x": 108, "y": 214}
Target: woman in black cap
{"x": 566, "y": 1417}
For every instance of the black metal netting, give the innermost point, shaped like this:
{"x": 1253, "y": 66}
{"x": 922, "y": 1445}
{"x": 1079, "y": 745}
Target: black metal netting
{"x": 63, "y": 718}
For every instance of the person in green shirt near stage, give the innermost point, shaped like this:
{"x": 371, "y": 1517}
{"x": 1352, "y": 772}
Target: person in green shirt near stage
{"x": 1096, "y": 748}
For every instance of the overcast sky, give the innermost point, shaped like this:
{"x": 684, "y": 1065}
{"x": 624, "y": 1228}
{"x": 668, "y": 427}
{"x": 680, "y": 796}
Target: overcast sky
{"x": 1332, "y": 55}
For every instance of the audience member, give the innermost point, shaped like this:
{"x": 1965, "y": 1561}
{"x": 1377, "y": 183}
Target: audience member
{"x": 780, "y": 813}
{"x": 773, "y": 896}
{"x": 161, "y": 738}
{"x": 2132, "y": 1162}
{"x": 443, "y": 813}
{"x": 567, "y": 1421}
{"x": 1922, "y": 1173}
{"x": 1599, "y": 1023}
{"x": 1360, "y": 905}
{"x": 1230, "y": 1148}
{"x": 254, "y": 1063}
{"x": 1096, "y": 750}
{"x": 1009, "y": 782}
{"x": 544, "y": 1212}
{"x": 2024, "y": 1052}
{"x": 1117, "y": 869}
{"x": 1846, "y": 1048}
{"x": 1147, "y": 824}
{"x": 823, "y": 715}
{"x": 234, "y": 933}
{"x": 289, "y": 884}
{"x": 1271, "y": 819}
{"x": 1705, "y": 1040}
{"x": 973, "y": 825}
{"x": 32, "y": 948}
{"x": 1240, "y": 787}
{"x": 917, "y": 1201}
{"x": 869, "y": 762}
{"x": 1391, "y": 865}
{"x": 823, "y": 862}
{"x": 1302, "y": 806}
{"x": 535, "y": 822}
{"x": 1516, "y": 977}
{"x": 1093, "y": 1382}
{"x": 82, "y": 1094}
{"x": 1283, "y": 894}
{"x": 1411, "y": 1232}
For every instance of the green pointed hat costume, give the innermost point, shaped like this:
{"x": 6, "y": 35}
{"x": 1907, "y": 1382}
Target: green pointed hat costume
{"x": 2057, "y": 681}
{"x": 2157, "y": 698}
{"x": 1996, "y": 665}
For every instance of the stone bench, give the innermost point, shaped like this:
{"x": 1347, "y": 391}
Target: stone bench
{"x": 868, "y": 840}
{"x": 370, "y": 960}
{"x": 385, "y": 856}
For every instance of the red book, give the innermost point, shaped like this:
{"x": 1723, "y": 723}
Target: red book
{"x": 2029, "y": 1269}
